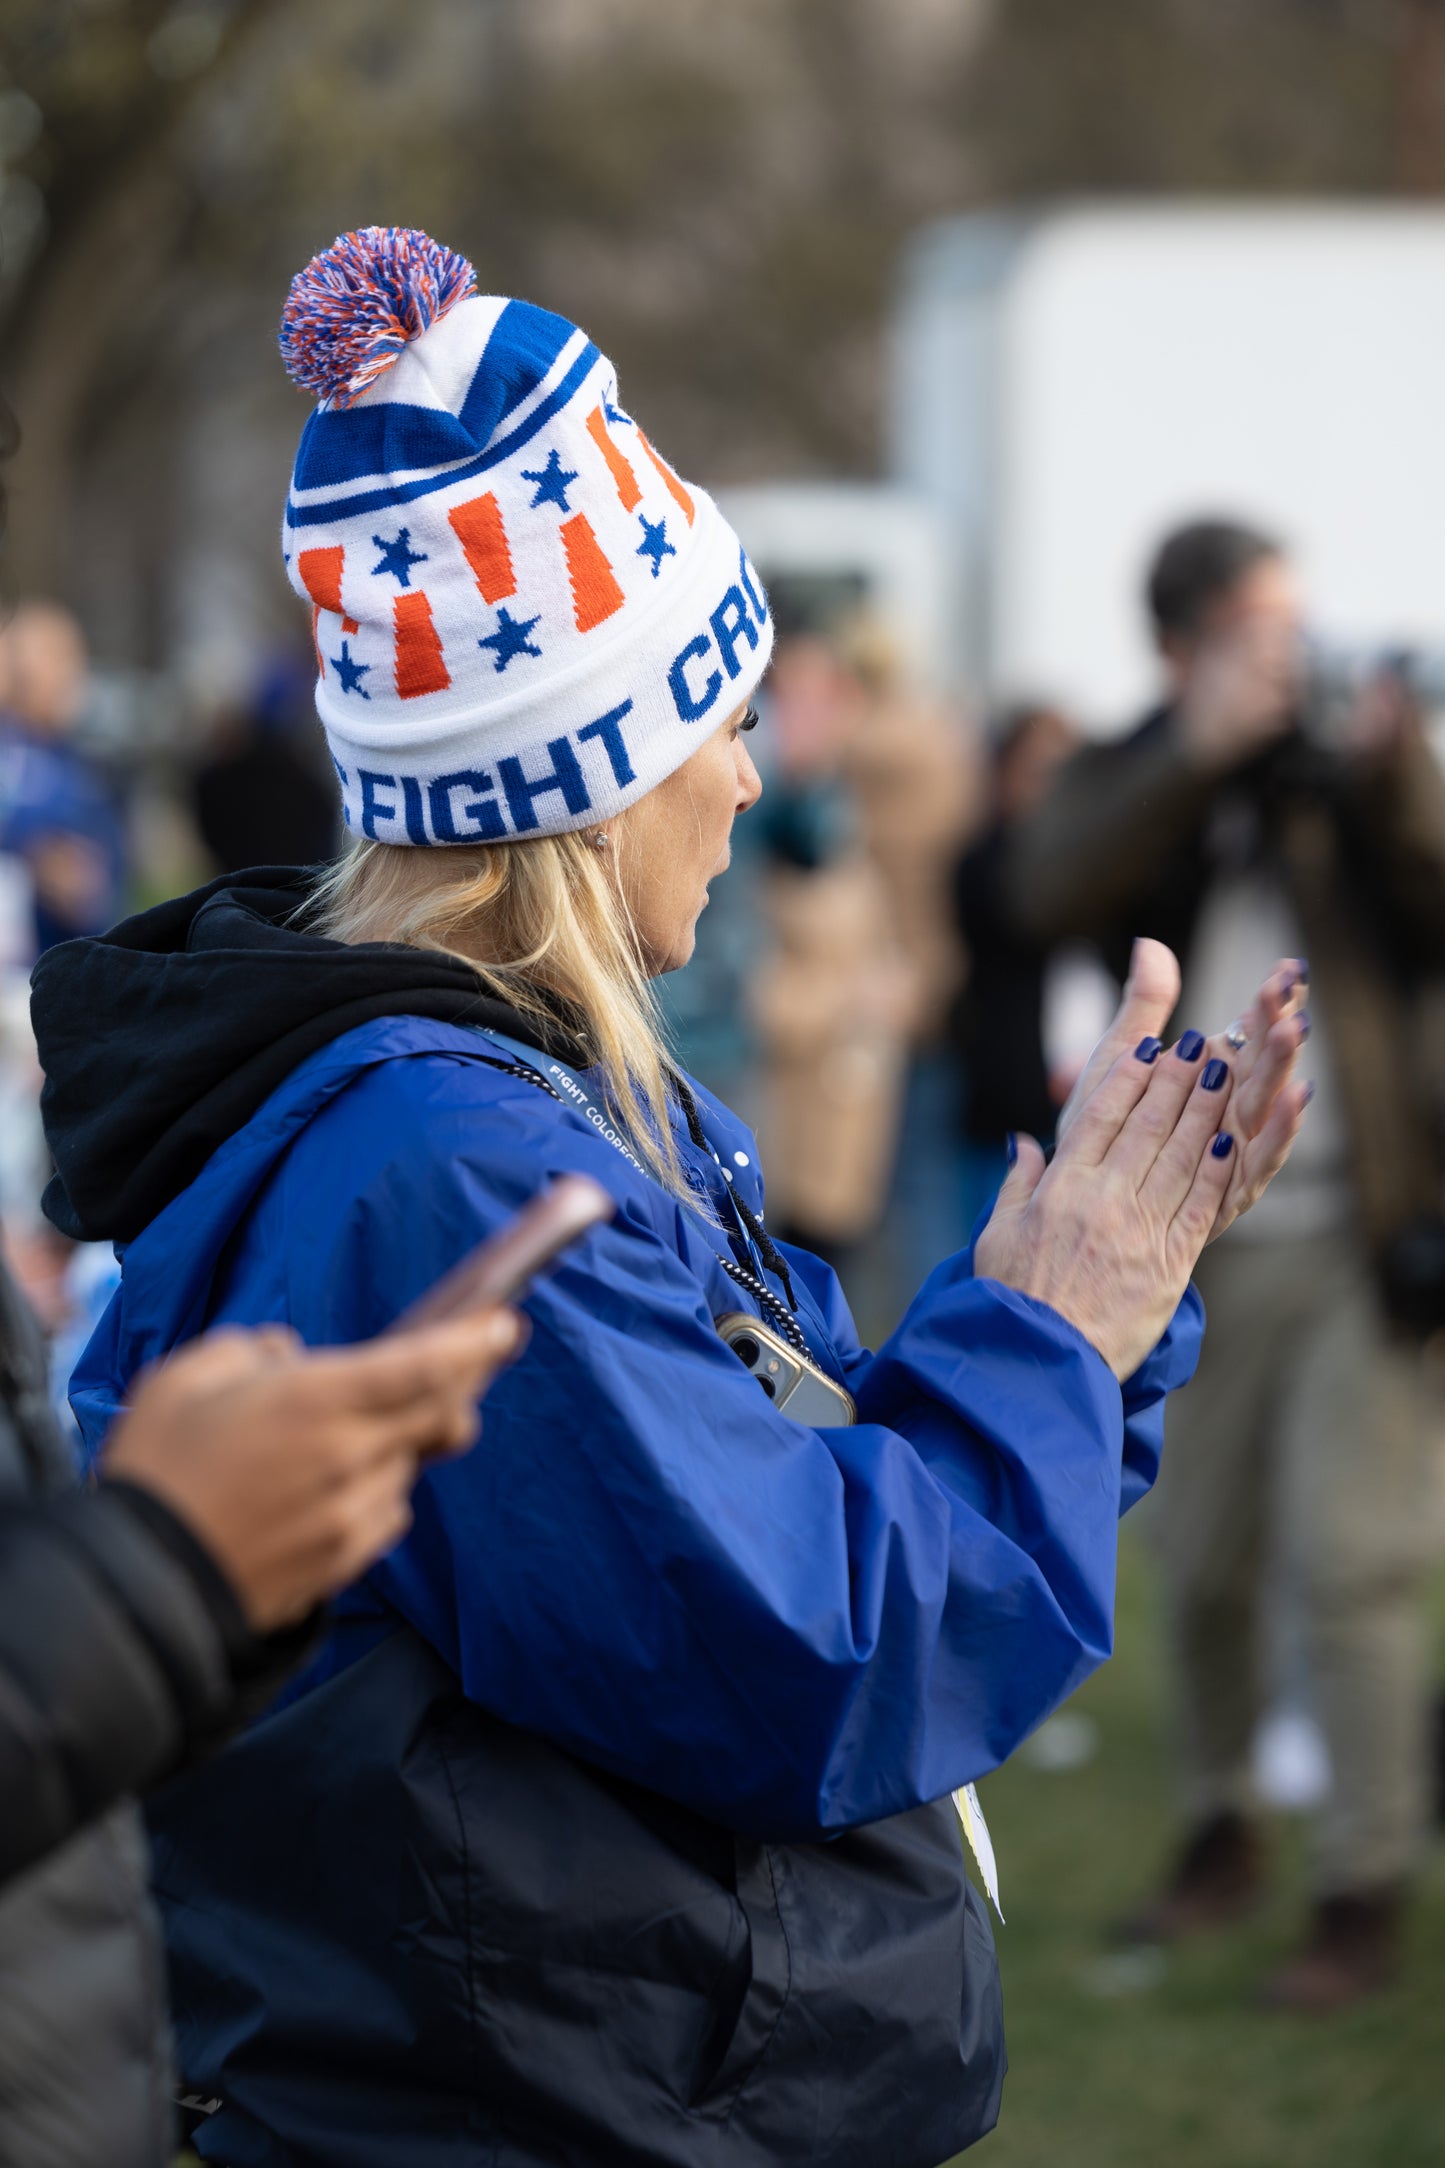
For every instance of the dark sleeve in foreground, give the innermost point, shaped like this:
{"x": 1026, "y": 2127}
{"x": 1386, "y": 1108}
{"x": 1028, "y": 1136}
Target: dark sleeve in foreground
{"x": 123, "y": 1655}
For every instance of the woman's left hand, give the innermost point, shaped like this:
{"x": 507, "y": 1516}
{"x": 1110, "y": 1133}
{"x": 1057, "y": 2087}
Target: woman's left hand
{"x": 1266, "y": 1103}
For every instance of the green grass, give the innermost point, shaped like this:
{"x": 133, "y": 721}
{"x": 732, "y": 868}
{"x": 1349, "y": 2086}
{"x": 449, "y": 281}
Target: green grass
{"x": 1186, "y": 2071}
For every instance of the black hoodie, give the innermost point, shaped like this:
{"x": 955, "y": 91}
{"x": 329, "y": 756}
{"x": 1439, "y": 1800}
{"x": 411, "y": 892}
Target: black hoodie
{"x": 161, "y": 1038}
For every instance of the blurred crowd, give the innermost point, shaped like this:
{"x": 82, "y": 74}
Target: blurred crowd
{"x": 920, "y": 939}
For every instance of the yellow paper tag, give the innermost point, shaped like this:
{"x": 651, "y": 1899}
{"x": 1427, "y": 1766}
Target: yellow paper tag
{"x": 980, "y": 1843}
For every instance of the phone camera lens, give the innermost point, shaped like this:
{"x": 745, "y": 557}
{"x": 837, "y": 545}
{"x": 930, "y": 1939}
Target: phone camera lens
{"x": 747, "y": 1351}
{"x": 769, "y": 1388}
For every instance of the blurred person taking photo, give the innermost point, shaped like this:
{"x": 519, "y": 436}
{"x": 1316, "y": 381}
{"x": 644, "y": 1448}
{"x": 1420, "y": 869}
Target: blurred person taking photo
{"x": 1232, "y": 825}
{"x": 614, "y": 1821}
{"x": 57, "y": 812}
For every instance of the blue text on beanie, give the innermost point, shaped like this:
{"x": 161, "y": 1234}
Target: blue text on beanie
{"x": 524, "y": 620}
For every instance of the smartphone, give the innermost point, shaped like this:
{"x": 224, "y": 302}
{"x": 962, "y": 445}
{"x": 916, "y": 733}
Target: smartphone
{"x": 500, "y": 1269}
{"x": 789, "y": 1379}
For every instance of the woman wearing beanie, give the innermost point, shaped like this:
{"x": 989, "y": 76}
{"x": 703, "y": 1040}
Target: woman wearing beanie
{"x": 614, "y": 1825}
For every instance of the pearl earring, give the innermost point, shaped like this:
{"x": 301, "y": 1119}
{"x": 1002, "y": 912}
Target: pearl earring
{"x": 599, "y": 839}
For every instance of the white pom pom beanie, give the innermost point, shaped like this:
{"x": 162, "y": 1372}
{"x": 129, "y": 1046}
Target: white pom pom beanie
{"x": 524, "y": 620}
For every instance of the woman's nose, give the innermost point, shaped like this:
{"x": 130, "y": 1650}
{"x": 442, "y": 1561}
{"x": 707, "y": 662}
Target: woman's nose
{"x": 750, "y": 783}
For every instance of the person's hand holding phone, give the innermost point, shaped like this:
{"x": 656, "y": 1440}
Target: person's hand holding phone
{"x": 294, "y": 1466}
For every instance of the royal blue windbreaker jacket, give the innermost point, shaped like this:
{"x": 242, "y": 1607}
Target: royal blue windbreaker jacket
{"x": 791, "y": 1631}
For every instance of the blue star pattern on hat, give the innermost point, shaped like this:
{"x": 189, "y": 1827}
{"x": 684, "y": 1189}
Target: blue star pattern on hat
{"x": 551, "y": 481}
{"x": 349, "y": 673}
{"x": 654, "y": 543}
{"x": 398, "y": 557}
{"x": 510, "y": 638}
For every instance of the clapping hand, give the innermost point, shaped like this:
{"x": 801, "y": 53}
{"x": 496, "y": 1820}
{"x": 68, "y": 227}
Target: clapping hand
{"x": 1159, "y": 1151}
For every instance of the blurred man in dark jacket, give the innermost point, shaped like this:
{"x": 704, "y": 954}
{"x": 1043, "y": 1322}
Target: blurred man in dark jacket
{"x": 1232, "y": 826}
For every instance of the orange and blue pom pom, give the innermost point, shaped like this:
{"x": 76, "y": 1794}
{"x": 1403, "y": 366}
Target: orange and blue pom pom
{"x": 349, "y": 314}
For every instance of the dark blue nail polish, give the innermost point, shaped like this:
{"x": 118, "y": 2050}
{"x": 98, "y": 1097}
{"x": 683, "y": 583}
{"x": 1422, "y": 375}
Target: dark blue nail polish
{"x": 1302, "y": 966}
{"x": 1223, "y": 1145}
{"x": 1216, "y": 1074}
{"x": 1147, "y": 1050}
{"x": 1011, "y": 1149}
{"x": 1191, "y": 1046}
{"x": 1309, "y": 1091}
{"x": 1303, "y": 1020}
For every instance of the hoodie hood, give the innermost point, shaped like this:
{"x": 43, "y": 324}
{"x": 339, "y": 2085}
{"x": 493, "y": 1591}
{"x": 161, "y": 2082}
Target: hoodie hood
{"x": 164, "y": 1036}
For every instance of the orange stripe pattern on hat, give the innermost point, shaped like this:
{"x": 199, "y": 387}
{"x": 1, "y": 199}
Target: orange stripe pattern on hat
{"x": 420, "y": 664}
{"x": 621, "y": 468}
{"x": 320, "y": 572}
{"x": 595, "y": 592}
{"x": 674, "y": 487}
{"x": 478, "y": 526}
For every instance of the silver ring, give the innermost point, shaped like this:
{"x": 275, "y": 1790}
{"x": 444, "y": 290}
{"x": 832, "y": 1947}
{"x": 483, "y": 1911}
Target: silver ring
{"x": 1236, "y": 1036}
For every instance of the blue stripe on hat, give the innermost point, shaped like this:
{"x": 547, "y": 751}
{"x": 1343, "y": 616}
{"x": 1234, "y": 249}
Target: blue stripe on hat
{"x": 381, "y": 500}
{"x": 396, "y": 437}
{"x": 525, "y": 342}
{"x": 389, "y": 439}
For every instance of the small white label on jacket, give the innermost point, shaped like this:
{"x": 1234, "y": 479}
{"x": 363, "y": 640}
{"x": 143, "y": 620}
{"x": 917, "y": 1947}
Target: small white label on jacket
{"x": 980, "y": 1843}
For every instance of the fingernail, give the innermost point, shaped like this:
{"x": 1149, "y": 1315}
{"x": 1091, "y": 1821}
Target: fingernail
{"x": 1302, "y": 966}
{"x": 1147, "y": 1050}
{"x": 1223, "y": 1145}
{"x": 1215, "y": 1075}
{"x": 1191, "y": 1046}
{"x": 1011, "y": 1149}
{"x": 1287, "y": 989}
{"x": 1309, "y": 1091}
{"x": 1303, "y": 1020}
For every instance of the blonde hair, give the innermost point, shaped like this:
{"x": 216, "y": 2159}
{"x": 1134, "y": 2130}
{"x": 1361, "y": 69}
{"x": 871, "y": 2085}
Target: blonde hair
{"x": 534, "y": 919}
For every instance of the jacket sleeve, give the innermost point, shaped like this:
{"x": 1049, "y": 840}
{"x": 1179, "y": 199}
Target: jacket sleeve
{"x": 791, "y": 1630}
{"x": 122, "y": 1655}
{"x": 1103, "y": 834}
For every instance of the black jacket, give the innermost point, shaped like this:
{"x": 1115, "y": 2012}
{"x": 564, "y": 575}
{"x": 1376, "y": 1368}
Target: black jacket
{"x": 123, "y": 1654}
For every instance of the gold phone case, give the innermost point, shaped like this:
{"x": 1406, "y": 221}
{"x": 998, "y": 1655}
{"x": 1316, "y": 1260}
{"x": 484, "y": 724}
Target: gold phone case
{"x": 791, "y": 1381}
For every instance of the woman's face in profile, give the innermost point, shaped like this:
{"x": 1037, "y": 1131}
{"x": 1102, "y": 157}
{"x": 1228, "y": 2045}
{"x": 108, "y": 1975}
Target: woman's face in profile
{"x": 678, "y": 838}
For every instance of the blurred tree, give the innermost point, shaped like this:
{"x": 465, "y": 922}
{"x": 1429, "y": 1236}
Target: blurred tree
{"x": 717, "y": 193}
{"x": 109, "y": 84}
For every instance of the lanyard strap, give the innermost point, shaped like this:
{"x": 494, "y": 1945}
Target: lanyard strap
{"x": 566, "y": 1086}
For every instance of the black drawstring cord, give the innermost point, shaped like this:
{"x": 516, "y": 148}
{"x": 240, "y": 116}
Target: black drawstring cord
{"x": 744, "y": 1275}
{"x": 767, "y": 1249}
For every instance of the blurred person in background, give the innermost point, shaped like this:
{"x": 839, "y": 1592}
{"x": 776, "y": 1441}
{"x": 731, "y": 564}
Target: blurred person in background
{"x": 1233, "y": 826}
{"x": 999, "y": 1019}
{"x": 834, "y": 998}
{"x": 266, "y": 795}
{"x": 914, "y": 768}
{"x": 57, "y": 811}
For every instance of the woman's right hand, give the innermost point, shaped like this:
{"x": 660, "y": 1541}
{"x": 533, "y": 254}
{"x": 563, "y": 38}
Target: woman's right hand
{"x": 1109, "y": 1234}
